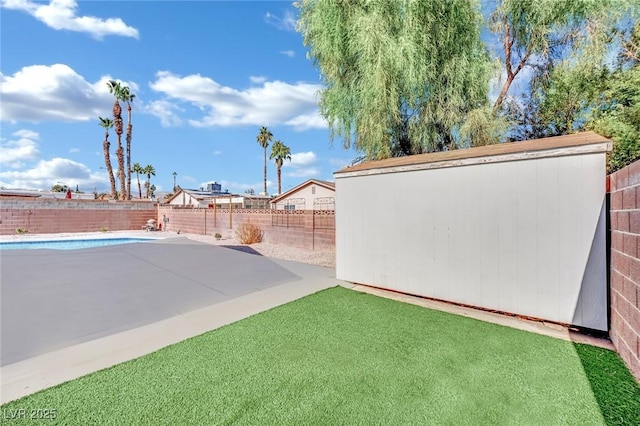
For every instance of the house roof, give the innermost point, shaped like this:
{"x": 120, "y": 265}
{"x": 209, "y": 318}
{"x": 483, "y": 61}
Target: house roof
{"x": 208, "y": 195}
{"x": 458, "y": 156}
{"x": 19, "y": 193}
{"x": 324, "y": 183}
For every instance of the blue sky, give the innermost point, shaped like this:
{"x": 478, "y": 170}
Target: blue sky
{"x": 206, "y": 74}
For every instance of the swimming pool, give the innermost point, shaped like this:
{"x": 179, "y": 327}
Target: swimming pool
{"x": 69, "y": 244}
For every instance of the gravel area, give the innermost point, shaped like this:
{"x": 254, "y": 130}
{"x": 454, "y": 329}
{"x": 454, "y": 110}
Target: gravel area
{"x": 296, "y": 254}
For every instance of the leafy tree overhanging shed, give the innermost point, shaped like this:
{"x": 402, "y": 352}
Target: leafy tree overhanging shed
{"x": 400, "y": 76}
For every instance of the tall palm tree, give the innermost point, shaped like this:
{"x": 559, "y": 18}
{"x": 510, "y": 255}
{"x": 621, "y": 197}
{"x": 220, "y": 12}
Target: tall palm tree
{"x": 137, "y": 169}
{"x": 115, "y": 88}
{"x": 280, "y": 152}
{"x": 149, "y": 171}
{"x": 264, "y": 137}
{"x": 174, "y": 180}
{"x": 107, "y": 123}
{"x": 127, "y": 96}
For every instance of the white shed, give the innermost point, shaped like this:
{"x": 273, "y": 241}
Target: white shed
{"x": 516, "y": 227}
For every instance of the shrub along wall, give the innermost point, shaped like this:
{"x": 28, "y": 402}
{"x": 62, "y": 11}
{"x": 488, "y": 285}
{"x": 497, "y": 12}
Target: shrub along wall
{"x": 625, "y": 264}
{"x": 46, "y": 216}
{"x": 301, "y": 228}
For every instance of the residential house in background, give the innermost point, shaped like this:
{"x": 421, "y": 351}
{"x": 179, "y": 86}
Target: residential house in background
{"x": 214, "y": 196}
{"x": 32, "y": 193}
{"x": 310, "y": 195}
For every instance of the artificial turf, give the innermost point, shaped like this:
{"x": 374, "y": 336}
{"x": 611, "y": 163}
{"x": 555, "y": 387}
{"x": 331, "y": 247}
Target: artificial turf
{"x": 344, "y": 357}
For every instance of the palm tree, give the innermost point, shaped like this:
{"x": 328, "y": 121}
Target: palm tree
{"x": 263, "y": 140}
{"x": 280, "y": 152}
{"x": 107, "y": 123}
{"x": 174, "y": 180}
{"x": 149, "y": 171}
{"x": 127, "y": 96}
{"x": 137, "y": 169}
{"x": 116, "y": 90}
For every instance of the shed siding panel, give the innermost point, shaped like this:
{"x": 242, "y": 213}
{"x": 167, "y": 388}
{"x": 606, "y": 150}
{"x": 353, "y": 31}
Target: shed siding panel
{"x": 524, "y": 237}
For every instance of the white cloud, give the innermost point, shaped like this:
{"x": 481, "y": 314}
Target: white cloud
{"x": 74, "y": 150}
{"x": 302, "y": 164}
{"x": 166, "y": 111}
{"x": 287, "y": 22}
{"x": 301, "y": 159}
{"x": 217, "y": 152}
{"x": 61, "y": 15}
{"x": 289, "y": 53}
{"x": 15, "y": 152}
{"x": 272, "y": 103}
{"x": 57, "y": 170}
{"x": 307, "y": 121}
{"x": 257, "y": 79}
{"x": 40, "y": 92}
{"x": 304, "y": 172}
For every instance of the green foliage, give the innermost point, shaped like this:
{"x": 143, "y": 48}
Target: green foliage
{"x": 22, "y": 231}
{"x": 576, "y": 84}
{"x": 562, "y": 100}
{"x": 138, "y": 170}
{"x": 59, "y": 188}
{"x": 483, "y": 126}
{"x": 619, "y": 117}
{"x": 535, "y": 33}
{"x": 218, "y": 236}
{"x": 149, "y": 170}
{"x": 104, "y": 229}
{"x": 280, "y": 152}
{"x": 400, "y": 76}
{"x": 263, "y": 139}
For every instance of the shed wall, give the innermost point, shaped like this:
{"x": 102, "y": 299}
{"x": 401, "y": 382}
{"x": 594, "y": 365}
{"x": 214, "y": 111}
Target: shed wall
{"x": 525, "y": 237}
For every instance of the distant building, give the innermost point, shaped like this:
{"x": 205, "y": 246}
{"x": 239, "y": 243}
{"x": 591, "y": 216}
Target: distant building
{"x": 34, "y": 193}
{"x": 310, "y": 195}
{"x": 214, "y": 196}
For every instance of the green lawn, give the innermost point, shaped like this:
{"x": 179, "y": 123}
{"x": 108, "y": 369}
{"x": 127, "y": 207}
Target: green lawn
{"x": 344, "y": 357}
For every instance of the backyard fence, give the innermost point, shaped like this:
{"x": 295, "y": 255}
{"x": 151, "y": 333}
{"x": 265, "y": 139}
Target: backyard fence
{"x": 624, "y": 214}
{"x": 297, "y": 228}
{"x": 51, "y": 215}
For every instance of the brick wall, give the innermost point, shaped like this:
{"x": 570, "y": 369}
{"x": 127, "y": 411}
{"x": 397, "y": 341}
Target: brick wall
{"x": 625, "y": 264}
{"x": 46, "y": 216}
{"x": 298, "y": 229}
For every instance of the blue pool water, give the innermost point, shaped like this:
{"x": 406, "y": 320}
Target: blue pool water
{"x": 69, "y": 244}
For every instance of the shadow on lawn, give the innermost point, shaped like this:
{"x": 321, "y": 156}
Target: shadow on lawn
{"x": 245, "y": 249}
{"x": 613, "y": 386}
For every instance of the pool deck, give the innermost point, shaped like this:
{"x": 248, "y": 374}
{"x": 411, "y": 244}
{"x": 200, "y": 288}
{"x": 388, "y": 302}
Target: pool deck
{"x": 69, "y": 313}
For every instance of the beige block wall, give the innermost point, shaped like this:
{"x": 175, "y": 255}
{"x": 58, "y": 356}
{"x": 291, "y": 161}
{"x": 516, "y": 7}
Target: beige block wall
{"x": 304, "y": 229}
{"x": 46, "y": 216}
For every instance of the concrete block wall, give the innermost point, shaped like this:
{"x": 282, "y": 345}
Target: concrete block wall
{"x": 624, "y": 188}
{"x": 305, "y": 233}
{"x": 46, "y": 216}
